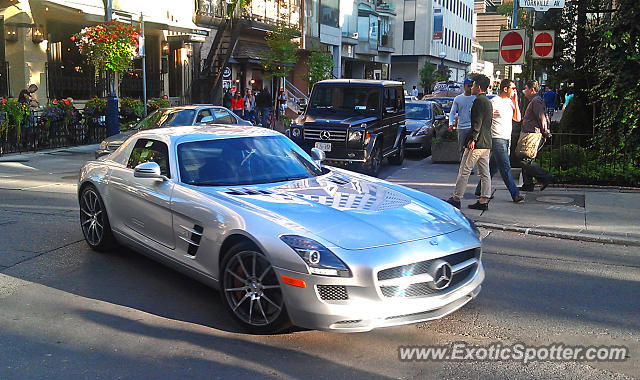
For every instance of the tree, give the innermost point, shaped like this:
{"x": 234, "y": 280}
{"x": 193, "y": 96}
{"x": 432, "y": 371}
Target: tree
{"x": 428, "y": 76}
{"x": 443, "y": 73}
{"x": 320, "y": 66}
{"x": 282, "y": 50}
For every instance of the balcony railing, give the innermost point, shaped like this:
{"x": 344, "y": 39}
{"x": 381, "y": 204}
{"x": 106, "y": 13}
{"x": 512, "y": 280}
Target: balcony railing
{"x": 78, "y": 82}
{"x": 264, "y": 11}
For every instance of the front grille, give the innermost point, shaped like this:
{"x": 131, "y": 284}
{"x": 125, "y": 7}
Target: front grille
{"x": 333, "y": 292}
{"x": 422, "y": 266}
{"x": 422, "y": 289}
{"x": 335, "y": 135}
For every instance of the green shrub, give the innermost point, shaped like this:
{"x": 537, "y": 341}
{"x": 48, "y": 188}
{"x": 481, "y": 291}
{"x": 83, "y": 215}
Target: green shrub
{"x": 576, "y": 118}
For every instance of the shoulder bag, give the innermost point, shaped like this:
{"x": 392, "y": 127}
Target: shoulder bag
{"x": 527, "y": 146}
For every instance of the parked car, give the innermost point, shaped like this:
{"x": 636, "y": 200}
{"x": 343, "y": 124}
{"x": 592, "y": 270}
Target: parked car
{"x": 423, "y": 119}
{"x": 284, "y": 239}
{"x": 446, "y": 102}
{"x": 356, "y": 122}
{"x": 172, "y": 117}
{"x": 410, "y": 98}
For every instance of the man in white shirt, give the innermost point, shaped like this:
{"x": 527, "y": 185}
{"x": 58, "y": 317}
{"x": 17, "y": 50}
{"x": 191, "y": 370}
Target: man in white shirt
{"x": 414, "y": 92}
{"x": 461, "y": 112}
{"x": 505, "y": 110}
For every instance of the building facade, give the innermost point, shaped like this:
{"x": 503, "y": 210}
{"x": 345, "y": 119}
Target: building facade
{"x": 435, "y": 31}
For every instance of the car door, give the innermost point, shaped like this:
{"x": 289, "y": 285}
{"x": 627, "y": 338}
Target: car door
{"x": 393, "y": 115}
{"x": 143, "y": 205}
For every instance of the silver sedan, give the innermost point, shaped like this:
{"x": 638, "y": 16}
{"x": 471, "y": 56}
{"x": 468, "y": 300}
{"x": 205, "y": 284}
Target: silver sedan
{"x": 285, "y": 239}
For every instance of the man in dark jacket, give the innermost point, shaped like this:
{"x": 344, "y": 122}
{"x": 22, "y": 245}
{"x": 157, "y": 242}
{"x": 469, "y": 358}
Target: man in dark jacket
{"x": 264, "y": 104}
{"x": 535, "y": 120}
{"x": 478, "y": 147}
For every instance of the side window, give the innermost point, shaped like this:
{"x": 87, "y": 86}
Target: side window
{"x": 437, "y": 110}
{"x": 147, "y": 150}
{"x": 389, "y": 103}
{"x": 202, "y": 114}
{"x": 224, "y": 117}
{"x": 400, "y": 100}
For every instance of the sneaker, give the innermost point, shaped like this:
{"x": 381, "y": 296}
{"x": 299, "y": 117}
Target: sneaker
{"x": 526, "y": 188}
{"x": 480, "y": 206}
{"x": 453, "y": 202}
{"x": 546, "y": 182}
{"x": 518, "y": 198}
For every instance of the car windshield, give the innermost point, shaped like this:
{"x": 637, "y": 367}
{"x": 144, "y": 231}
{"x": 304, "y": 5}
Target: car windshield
{"x": 344, "y": 100}
{"x": 418, "y": 111}
{"x": 243, "y": 161}
{"x": 167, "y": 118}
{"x": 446, "y": 103}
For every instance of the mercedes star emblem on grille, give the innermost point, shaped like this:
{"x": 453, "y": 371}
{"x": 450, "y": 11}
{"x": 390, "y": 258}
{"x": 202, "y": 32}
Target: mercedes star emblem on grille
{"x": 325, "y": 135}
{"x": 442, "y": 274}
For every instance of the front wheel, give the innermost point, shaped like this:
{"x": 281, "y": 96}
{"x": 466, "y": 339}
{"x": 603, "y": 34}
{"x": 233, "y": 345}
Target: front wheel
{"x": 94, "y": 220}
{"x": 252, "y": 292}
{"x": 375, "y": 161}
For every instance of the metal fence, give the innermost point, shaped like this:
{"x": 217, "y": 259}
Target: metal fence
{"x": 578, "y": 159}
{"x": 36, "y": 133}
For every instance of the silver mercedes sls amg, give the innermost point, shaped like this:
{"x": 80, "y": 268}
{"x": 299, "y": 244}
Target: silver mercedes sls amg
{"x": 285, "y": 239}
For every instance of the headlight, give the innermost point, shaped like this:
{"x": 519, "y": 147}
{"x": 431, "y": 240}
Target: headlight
{"x": 295, "y": 132}
{"x": 422, "y": 131}
{"x": 355, "y": 136}
{"x": 319, "y": 259}
{"x": 103, "y": 145}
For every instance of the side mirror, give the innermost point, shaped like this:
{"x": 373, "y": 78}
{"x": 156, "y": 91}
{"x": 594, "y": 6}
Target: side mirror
{"x": 148, "y": 170}
{"x": 302, "y": 108}
{"x": 207, "y": 119}
{"x": 318, "y": 155}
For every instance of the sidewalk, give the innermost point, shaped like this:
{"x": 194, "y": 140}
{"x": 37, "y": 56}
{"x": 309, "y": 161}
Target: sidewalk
{"x": 600, "y": 215}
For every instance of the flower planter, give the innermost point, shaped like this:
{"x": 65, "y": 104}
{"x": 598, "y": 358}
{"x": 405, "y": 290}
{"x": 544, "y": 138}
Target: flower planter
{"x": 445, "y": 152}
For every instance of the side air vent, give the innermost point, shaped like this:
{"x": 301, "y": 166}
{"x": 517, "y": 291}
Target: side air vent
{"x": 333, "y": 292}
{"x": 193, "y": 241}
{"x": 339, "y": 180}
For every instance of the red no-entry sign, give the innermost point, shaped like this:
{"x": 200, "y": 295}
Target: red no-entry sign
{"x": 511, "y": 47}
{"x": 543, "y": 41}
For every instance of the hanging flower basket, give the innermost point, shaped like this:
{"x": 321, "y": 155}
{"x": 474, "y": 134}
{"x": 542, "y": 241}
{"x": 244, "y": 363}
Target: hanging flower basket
{"x": 109, "y": 46}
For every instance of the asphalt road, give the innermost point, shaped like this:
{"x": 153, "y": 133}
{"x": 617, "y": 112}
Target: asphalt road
{"x": 68, "y": 312}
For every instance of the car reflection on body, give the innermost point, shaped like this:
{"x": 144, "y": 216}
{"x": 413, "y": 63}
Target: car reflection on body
{"x": 423, "y": 119}
{"x": 285, "y": 239}
{"x": 446, "y": 102}
{"x": 173, "y": 117}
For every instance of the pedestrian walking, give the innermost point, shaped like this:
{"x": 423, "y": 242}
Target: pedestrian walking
{"x": 460, "y": 114}
{"x": 535, "y": 121}
{"x": 282, "y": 103}
{"x": 249, "y": 106}
{"x": 478, "y": 147}
{"x": 237, "y": 104}
{"x": 505, "y": 111}
{"x": 550, "y": 100}
{"x": 414, "y": 92}
{"x": 226, "y": 98}
{"x": 264, "y": 102}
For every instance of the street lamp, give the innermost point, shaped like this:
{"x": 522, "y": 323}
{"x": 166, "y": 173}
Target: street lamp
{"x": 442, "y": 56}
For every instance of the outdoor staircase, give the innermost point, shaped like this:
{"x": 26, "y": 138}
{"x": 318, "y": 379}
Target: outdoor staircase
{"x": 210, "y": 77}
{"x": 295, "y": 97}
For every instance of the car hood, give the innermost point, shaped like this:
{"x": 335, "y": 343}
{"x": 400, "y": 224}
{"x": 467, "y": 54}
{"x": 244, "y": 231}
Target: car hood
{"x": 349, "y": 212}
{"x": 413, "y": 124}
{"x": 338, "y": 119}
{"x": 119, "y": 138}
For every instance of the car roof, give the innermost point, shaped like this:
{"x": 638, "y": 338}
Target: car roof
{"x": 189, "y": 107}
{"x": 366, "y": 82}
{"x": 179, "y": 135}
{"x": 420, "y": 102}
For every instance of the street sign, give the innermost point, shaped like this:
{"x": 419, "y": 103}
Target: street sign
{"x": 511, "y": 47}
{"x": 543, "y": 44}
{"x": 541, "y": 5}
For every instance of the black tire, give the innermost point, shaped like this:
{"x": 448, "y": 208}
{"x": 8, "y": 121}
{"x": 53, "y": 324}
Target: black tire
{"x": 398, "y": 158}
{"x": 94, "y": 220}
{"x": 249, "y": 282}
{"x": 372, "y": 166}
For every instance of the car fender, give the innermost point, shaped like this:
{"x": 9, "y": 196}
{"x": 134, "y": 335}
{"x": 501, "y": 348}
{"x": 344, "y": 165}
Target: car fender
{"x": 402, "y": 133}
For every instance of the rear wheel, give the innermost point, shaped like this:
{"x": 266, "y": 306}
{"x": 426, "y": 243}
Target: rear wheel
{"x": 94, "y": 220}
{"x": 398, "y": 158}
{"x": 252, "y": 292}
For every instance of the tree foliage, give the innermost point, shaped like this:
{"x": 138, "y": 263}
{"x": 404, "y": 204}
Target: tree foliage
{"x": 428, "y": 77}
{"x": 320, "y": 66}
{"x": 282, "y": 50}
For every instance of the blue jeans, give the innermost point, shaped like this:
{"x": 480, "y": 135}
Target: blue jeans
{"x": 499, "y": 161}
{"x": 265, "y": 115}
{"x": 249, "y": 116}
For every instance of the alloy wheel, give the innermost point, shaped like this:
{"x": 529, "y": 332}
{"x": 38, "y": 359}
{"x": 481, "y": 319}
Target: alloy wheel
{"x": 92, "y": 217}
{"x": 251, "y": 289}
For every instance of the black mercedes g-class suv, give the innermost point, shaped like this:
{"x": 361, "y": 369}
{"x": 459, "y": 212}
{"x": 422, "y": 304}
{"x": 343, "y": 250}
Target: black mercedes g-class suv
{"x": 356, "y": 122}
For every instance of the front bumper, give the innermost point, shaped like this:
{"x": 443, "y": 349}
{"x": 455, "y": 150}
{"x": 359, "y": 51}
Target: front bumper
{"x": 417, "y": 142}
{"x": 366, "y": 307}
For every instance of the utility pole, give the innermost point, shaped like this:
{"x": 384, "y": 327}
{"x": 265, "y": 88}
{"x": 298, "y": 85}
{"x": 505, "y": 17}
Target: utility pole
{"x": 143, "y": 53}
{"x": 113, "y": 126}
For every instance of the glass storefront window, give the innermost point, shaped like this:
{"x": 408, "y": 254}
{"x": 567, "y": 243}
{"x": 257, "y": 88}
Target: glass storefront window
{"x": 330, "y": 13}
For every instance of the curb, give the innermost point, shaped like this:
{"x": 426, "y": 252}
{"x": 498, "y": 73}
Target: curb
{"x": 562, "y": 235}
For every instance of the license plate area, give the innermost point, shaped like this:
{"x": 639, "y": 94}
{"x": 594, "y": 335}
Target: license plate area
{"x": 325, "y": 147}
